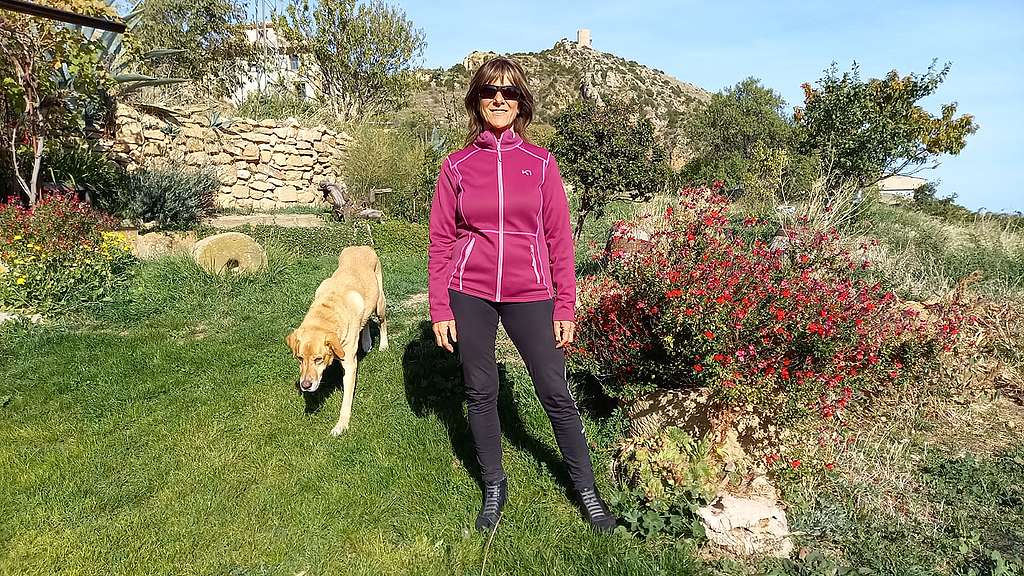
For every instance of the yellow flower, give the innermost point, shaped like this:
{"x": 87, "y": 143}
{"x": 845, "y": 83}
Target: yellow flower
{"x": 20, "y": 280}
{"x": 18, "y": 237}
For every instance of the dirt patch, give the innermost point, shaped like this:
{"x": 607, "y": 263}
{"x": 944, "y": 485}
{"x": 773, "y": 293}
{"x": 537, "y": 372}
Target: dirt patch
{"x": 415, "y": 300}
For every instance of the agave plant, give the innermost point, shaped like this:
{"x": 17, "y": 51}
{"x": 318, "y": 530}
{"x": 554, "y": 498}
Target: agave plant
{"x": 121, "y": 62}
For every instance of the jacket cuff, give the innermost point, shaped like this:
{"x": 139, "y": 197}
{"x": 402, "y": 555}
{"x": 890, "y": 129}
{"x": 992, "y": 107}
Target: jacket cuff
{"x": 564, "y": 312}
{"x": 441, "y": 316}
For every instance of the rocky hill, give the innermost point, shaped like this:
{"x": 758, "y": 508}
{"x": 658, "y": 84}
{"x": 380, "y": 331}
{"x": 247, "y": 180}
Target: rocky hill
{"x": 560, "y": 73}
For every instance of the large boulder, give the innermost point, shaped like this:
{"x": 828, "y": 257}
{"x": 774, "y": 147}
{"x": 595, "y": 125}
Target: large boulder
{"x": 229, "y": 252}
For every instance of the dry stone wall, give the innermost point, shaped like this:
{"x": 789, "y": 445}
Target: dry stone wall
{"x": 262, "y": 165}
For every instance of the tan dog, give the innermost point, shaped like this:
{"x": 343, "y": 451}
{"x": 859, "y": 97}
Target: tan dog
{"x": 337, "y": 318}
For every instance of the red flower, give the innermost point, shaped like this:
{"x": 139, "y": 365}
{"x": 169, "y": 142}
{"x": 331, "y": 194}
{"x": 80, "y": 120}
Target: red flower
{"x": 794, "y": 463}
{"x": 675, "y": 293}
{"x": 830, "y": 466}
{"x": 709, "y": 334}
{"x": 697, "y": 368}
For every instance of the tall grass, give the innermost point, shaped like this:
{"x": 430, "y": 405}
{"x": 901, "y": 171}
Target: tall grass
{"x": 926, "y": 256}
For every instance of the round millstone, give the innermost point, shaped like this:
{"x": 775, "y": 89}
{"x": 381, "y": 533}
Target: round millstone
{"x": 229, "y": 252}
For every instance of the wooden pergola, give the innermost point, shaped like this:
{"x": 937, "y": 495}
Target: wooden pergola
{"x": 25, "y": 7}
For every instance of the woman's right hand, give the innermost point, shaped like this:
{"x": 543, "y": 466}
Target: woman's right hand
{"x": 441, "y": 330}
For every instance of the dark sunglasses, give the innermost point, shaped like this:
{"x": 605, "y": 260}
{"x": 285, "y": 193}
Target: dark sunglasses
{"x": 489, "y": 91}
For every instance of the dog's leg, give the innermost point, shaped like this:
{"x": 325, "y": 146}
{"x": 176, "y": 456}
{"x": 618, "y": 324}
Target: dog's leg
{"x": 350, "y": 365}
{"x": 382, "y": 314}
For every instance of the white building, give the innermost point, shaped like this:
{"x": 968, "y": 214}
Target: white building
{"x": 898, "y": 189}
{"x": 278, "y": 67}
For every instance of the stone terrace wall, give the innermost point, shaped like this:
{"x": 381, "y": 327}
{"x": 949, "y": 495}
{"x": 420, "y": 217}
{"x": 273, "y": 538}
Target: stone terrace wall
{"x": 261, "y": 165}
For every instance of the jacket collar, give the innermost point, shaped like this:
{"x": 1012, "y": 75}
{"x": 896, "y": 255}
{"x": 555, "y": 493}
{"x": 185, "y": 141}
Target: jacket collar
{"x": 509, "y": 139}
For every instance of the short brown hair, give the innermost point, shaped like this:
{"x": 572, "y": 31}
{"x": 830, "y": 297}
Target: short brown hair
{"x": 492, "y": 71}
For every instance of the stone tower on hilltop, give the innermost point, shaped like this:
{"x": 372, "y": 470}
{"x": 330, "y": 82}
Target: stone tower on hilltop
{"x": 583, "y": 37}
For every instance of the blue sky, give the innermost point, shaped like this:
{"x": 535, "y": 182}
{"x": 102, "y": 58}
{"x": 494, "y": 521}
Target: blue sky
{"x": 784, "y": 44}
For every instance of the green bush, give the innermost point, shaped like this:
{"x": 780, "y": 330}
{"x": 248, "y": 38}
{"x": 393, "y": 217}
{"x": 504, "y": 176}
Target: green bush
{"x": 405, "y": 162}
{"x": 56, "y": 257}
{"x": 88, "y": 170}
{"x": 279, "y": 104}
{"x": 174, "y": 196}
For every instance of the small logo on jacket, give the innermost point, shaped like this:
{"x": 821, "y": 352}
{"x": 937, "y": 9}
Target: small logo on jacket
{"x": 527, "y": 173}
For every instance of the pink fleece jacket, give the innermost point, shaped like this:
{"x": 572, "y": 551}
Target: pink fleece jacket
{"x": 499, "y": 227}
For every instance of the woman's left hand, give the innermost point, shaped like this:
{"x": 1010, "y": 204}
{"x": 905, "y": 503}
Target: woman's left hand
{"x": 565, "y": 332}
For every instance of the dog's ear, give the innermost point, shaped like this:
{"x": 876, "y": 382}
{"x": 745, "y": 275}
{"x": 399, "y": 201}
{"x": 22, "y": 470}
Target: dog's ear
{"x": 293, "y": 341}
{"x": 335, "y": 346}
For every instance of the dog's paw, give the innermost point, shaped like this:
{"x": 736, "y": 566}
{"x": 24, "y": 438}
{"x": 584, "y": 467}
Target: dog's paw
{"x": 383, "y": 346}
{"x": 338, "y": 430}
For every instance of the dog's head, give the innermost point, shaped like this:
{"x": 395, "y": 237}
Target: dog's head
{"x": 315, "y": 350}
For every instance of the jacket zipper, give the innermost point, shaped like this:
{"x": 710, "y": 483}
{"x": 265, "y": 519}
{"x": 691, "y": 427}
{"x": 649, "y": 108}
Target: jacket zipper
{"x": 533, "y": 262}
{"x": 501, "y": 225}
{"x": 469, "y": 250}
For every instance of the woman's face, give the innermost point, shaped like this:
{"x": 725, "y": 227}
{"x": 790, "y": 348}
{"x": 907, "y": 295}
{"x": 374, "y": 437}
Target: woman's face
{"x": 499, "y": 112}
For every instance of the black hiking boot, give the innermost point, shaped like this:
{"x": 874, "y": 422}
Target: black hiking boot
{"x": 595, "y": 510}
{"x": 495, "y": 496}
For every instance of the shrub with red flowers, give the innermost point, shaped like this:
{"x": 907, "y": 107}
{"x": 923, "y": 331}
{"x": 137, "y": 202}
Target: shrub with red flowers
{"x": 57, "y": 255}
{"x": 697, "y": 300}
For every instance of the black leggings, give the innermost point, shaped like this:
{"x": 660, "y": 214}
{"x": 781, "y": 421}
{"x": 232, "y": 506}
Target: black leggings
{"x": 529, "y": 325}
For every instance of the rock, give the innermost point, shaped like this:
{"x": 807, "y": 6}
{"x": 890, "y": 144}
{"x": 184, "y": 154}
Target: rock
{"x": 625, "y": 241}
{"x": 271, "y": 171}
{"x": 301, "y": 161}
{"x": 665, "y": 407}
{"x": 229, "y": 252}
{"x": 12, "y": 317}
{"x": 262, "y": 185}
{"x": 158, "y": 244}
{"x": 286, "y": 194}
{"x": 195, "y": 145}
{"x": 225, "y": 201}
{"x": 280, "y": 159}
{"x": 251, "y": 152}
{"x": 243, "y": 174}
{"x": 256, "y": 194}
{"x": 747, "y": 526}
{"x": 257, "y": 137}
{"x": 228, "y": 176}
{"x": 240, "y": 191}
{"x": 306, "y": 197}
{"x": 153, "y": 135}
{"x": 285, "y": 132}
{"x": 265, "y": 156}
{"x": 266, "y": 204}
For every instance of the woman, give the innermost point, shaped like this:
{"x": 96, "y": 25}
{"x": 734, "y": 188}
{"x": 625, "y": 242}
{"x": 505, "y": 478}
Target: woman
{"x": 501, "y": 248}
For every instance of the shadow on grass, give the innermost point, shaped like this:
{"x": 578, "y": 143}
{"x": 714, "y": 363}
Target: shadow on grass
{"x": 433, "y": 385}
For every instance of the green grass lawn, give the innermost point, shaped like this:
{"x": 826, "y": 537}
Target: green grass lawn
{"x": 164, "y": 435}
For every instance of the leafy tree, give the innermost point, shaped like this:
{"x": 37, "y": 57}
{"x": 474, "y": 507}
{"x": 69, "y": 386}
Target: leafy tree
{"x": 869, "y": 130}
{"x": 213, "y": 51}
{"x": 362, "y": 53}
{"x": 51, "y": 75}
{"x": 744, "y": 138}
{"x": 608, "y": 152}
{"x": 724, "y": 133}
